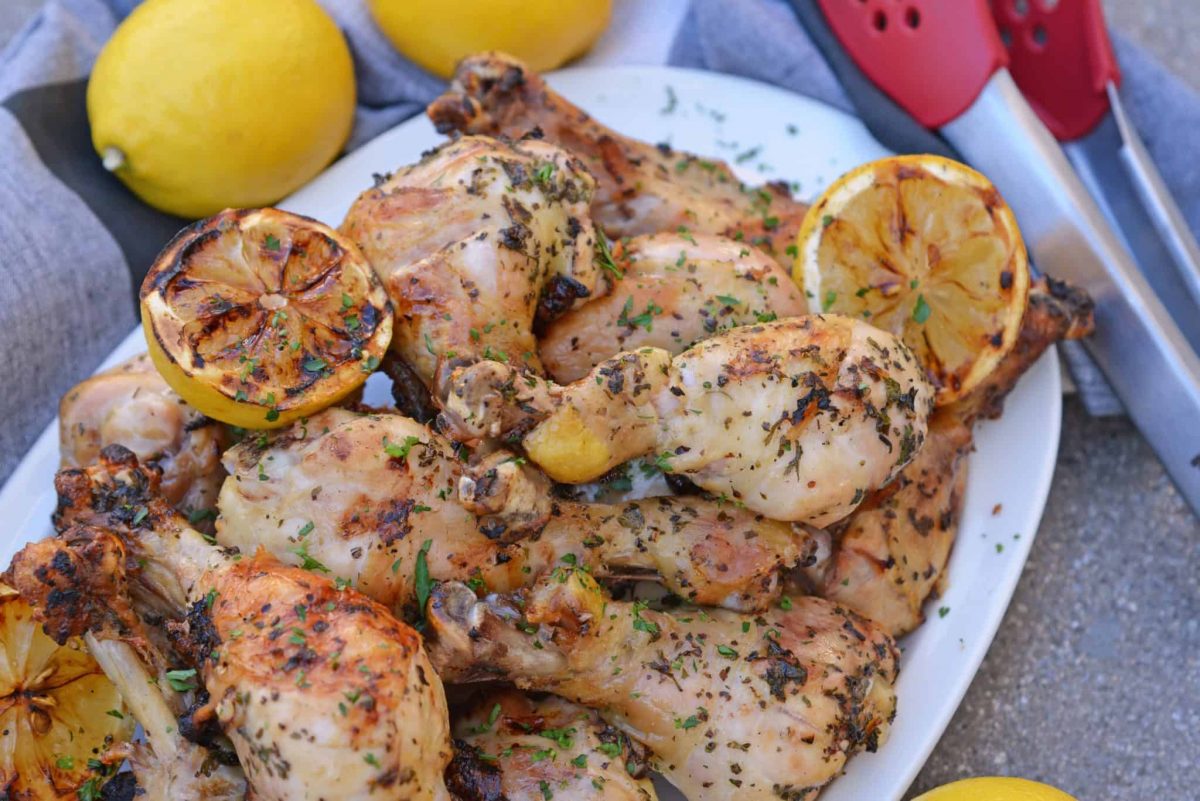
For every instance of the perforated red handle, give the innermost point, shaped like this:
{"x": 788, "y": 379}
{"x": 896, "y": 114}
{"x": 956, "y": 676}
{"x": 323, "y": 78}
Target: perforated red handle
{"x": 933, "y": 57}
{"x": 1061, "y": 57}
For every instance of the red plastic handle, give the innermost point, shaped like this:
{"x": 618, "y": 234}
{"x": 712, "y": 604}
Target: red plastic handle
{"x": 933, "y": 57}
{"x": 1061, "y": 57}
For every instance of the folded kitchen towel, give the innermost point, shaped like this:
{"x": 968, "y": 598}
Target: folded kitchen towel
{"x": 74, "y": 243}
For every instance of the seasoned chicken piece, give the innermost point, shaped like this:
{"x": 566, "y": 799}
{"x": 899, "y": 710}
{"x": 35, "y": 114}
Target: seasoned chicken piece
{"x": 517, "y": 747}
{"x": 475, "y": 242}
{"x": 132, "y": 405}
{"x": 674, "y": 291}
{"x": 730, "y": 707}
{"x": 323, "y": 693}
{"x": 797, "y": 419}
{"x": 360, "y": 495}
{"x": 641, "y": 188}
{"x": 889, "y": 556}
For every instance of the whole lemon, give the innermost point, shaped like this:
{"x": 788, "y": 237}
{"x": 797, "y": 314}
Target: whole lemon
{"x": 995, "y": 788}
{"x": 542, "y": 33}
{"x": 200, "y": 106}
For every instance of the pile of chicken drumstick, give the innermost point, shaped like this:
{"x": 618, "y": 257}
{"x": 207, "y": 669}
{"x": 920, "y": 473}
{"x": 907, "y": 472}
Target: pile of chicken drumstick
{"x": 455, "y": 621}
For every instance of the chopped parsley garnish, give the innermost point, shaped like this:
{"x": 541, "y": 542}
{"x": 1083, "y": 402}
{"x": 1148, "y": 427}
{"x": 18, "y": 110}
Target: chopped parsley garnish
{"x": 604, "y": 258}
{"x": 307, "y": 562}
{"x": 921, "y": 310}
{"x": 643, "y": 320}
{"x": 182, "y": 680}
{"x": 609, "y": 749}
{"x": 424, "y": 585}
{"x": 544, "y": 174}
{"x": 400, "y": 451}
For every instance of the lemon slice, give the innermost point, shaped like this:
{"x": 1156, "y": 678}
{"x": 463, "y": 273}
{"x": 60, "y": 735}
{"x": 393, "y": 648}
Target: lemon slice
{"x": 259, "y": 317}
{"x": 58, "y": 711}
{"x": 926, "y": 248}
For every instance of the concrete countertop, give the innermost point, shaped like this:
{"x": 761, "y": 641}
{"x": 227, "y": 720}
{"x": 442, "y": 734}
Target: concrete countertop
{"x": 1093, "y": 682}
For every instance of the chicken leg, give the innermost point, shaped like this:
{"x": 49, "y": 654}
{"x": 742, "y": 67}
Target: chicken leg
{"x": 361, "y": 495}
{"x": 641, "y": 188}
{"x": 797, "y": 419}
{"x": 322, "y": 692}
{"x": 730, "y": 707}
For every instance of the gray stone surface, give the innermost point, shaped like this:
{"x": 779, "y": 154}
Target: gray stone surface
{"x": 1093, "y": 682}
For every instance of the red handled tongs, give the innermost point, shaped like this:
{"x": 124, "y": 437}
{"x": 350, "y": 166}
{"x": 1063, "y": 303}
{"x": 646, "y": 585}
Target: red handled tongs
{"x": 936, "y": 76}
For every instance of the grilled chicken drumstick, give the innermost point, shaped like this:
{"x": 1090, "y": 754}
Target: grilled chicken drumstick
{"x": 361, "y": 494}
{"x": 891, "y": 554}
{"x": 797, "y": 419}
{"x": 673, "y": 292}
{"x": 475, "y": 242}
{"x": 510, "y": 745}
{"x": 730, "y": 707}
{"x": 132, "y": 405}
{"x": 323, "y": 693}
{"x": 641, "y": 188}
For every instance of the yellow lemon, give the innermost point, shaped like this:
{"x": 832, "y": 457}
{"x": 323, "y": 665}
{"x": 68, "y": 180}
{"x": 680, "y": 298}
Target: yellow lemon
{"x": 542, "y": 33}
{"x": 200, "y": 106}
{"x": 58, "y": 711}
{"x": 926, "y": 248}
{"x": 995, "y": 788}
{"x": 260, "y": 317}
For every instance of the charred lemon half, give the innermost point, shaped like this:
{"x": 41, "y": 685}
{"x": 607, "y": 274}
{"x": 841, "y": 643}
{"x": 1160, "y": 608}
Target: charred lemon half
{"x": 260, "y": 317}
{"x": 926, "y": 248}
{"x": 58, "y": 711}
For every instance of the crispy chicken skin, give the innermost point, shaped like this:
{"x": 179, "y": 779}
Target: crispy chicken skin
{"x": 132, "y": 405}
{"x": 890, "y": 555}
{"x": 673, "y": 292}
{"x": 519, "y": 747}
{"x": 730, "y": 707}
{"x": 337, "y": 490}
{"x": 641, "y": 188}
{"x": 323, "y": 693}
{"x": 797, "y": 419}
{"x": 476, "y": 242}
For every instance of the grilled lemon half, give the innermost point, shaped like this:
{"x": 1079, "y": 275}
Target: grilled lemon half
{"x": 259, "y": 317}
{"x": 926, "y": 248}
{"x": 58, "y": 711}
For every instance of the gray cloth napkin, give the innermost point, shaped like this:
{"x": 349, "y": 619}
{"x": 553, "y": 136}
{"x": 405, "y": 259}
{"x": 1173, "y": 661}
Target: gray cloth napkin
{"x": 74, "y": 243}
